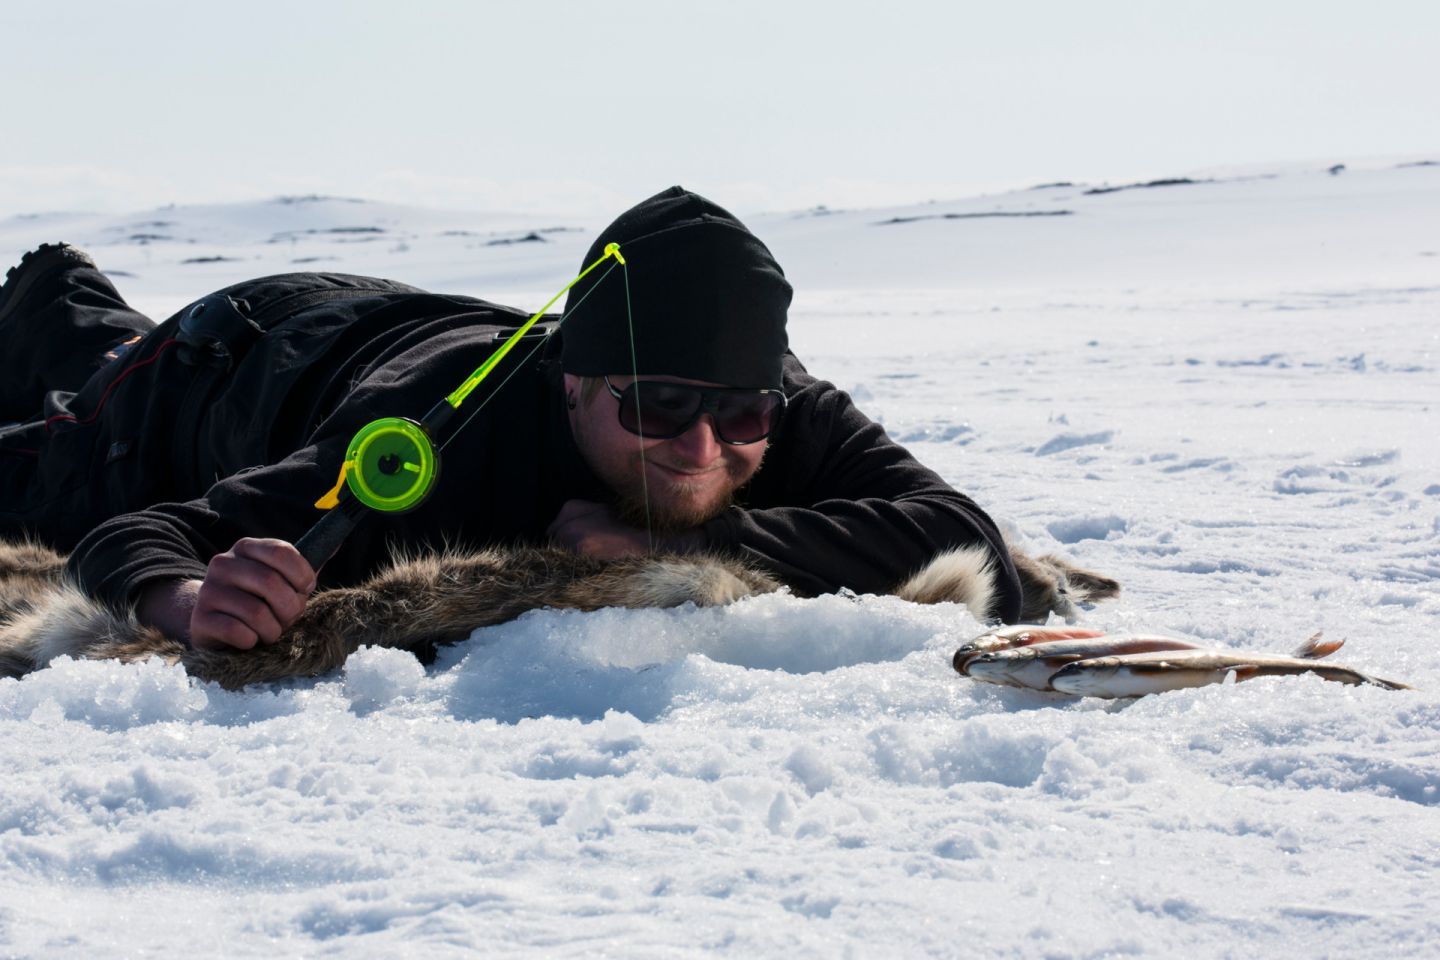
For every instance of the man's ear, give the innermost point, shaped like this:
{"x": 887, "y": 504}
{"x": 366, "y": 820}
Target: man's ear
{"x": 571, "y": 386}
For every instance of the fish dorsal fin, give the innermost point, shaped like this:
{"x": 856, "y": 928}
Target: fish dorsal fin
{"x": 1315, "y": 648}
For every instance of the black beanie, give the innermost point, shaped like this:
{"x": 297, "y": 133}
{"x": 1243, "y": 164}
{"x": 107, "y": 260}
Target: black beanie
{"x": 707, "y": 298}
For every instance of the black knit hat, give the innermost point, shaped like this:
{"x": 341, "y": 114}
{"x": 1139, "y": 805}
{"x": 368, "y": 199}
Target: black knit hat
{"x": 708, "y": 300}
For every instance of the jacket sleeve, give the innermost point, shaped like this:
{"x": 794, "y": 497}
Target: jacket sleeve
{"x": 838, "y": 504}
{"x": 176, "y": 540}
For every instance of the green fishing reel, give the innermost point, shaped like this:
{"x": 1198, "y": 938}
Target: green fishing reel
{"x": 392, "y": 466}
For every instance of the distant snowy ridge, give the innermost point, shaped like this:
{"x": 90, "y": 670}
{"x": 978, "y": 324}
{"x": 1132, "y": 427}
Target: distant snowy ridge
{"x": 1279, "y": 226}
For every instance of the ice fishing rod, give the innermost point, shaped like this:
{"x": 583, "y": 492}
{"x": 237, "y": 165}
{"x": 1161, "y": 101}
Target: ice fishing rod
{"x": 392, "y": 463}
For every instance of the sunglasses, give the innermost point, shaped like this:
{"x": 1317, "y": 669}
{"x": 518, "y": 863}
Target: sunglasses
{"x": 663, "y": 411}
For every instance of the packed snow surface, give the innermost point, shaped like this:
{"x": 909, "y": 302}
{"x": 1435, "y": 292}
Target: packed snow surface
{"x": 1222, "y": 392}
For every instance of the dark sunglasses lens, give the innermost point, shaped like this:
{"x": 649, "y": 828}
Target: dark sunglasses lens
{"x": 746, "y": 417}
{"x": 657, "y": 410}
{"x": 661, "y": 411}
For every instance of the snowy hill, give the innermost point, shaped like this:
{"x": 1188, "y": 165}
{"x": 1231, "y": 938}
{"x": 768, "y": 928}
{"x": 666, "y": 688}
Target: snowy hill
{"x": 1223, "y": 392}
{"x": 1260, "y": 228}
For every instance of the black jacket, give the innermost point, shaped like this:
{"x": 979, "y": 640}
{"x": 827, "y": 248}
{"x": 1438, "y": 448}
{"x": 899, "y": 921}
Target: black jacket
{"x": 247, "y": 450}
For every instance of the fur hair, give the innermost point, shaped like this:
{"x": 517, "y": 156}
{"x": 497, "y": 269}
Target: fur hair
{"x": 1048, "y": 584}
{"x": 421, "y": 602}
{"x": 1052, "y": 583}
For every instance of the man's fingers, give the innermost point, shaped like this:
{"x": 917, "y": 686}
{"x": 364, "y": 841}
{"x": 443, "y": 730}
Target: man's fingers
{"x": 592, "y": 530}
{"x": 216, "y": 631}
{"x": 573, "y": 510}
{"x": 259, "y": 580}
{"x": 254, "y": 613}
{"x": 573, "y": 513}
{"x": 282, "y": 557}
{"x": 251, "y": 593}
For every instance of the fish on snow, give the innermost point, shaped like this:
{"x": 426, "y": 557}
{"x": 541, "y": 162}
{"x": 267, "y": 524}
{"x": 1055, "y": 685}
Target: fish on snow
{"x": 1136, "y": 674}
{"x": 1033, "y": 665}
{"x": 1087, "y": 662}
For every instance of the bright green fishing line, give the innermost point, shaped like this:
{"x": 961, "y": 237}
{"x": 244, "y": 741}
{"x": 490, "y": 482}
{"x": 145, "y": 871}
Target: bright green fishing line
{"x": 364, "y": 470}
{"x": 458, "y": 395}
{"x": 521, "y": 365}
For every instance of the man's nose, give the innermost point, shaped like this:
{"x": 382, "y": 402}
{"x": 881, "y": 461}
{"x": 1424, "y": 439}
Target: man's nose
{"x": 700, "y": 444}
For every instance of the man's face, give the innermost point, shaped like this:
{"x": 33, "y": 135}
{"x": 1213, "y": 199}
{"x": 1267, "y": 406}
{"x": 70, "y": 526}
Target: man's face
{"x": 688, "y": 479}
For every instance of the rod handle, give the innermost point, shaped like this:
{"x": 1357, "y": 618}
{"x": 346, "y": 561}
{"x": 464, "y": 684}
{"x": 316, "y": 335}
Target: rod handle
{"x": 319, "y": 543}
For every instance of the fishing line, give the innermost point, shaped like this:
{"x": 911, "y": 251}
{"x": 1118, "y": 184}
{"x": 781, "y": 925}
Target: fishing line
{"x": 639, "y": 419}
{"x": 526, "y": 358}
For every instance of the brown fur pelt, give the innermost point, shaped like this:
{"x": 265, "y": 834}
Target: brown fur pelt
{"x": 419, "y": 603}
{"x": 1052, "y": 583}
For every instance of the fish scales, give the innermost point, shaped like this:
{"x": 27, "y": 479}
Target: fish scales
{"x": 1032, "y": 666}
{"x": 1137, "y": 674}
{"x": 1018, "y": 636}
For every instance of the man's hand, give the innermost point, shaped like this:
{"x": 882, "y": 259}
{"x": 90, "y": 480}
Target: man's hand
{"x": 250, "y": 594}
{"x": 593, "y": 530}
{"x": 166, "y": 605}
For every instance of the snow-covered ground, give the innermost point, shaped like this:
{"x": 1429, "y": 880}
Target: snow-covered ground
{"x": 1222, "y": 393}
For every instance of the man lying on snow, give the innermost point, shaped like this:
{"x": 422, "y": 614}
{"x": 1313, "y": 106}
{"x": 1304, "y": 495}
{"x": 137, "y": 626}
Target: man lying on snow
{"x": 179, "y": 474}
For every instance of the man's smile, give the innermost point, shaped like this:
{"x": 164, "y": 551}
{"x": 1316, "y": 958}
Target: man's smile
{"x": 687, "y": 473}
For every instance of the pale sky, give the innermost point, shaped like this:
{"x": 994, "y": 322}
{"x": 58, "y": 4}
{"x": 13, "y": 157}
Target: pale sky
{"x": 560, "y": 106}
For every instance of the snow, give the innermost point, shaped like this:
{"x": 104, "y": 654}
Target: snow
{"x": 1220, "y": 393}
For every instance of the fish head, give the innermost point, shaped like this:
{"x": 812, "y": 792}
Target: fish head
{"x": 1020, "y": 667}
{"x": 971, "y": 649}
{"x": 964, "y": 655}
